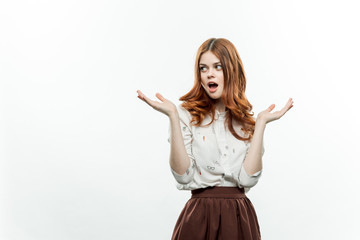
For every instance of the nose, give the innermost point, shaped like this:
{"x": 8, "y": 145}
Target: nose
{"x": 210, "y": 73}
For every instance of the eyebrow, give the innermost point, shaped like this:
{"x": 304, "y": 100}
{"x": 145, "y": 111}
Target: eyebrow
{"x": 205, "y": 64}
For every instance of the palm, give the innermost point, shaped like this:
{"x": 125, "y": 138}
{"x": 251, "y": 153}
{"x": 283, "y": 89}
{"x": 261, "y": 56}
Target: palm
{"x": 165, "y": 106}
{"x": 267, "y": 116}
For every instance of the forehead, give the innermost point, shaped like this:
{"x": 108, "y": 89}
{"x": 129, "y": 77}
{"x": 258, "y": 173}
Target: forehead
{"x": 208, "y": 58}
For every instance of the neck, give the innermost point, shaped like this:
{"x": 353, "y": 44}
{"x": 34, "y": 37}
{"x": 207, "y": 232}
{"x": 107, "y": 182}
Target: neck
{"x": 220, "y": 106}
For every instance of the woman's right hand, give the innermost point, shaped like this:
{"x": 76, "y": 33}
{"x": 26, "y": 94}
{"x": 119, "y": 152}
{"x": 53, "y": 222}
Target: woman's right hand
{"x": 166, "y": 106}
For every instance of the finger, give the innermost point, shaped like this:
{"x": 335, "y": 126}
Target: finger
{"x": 159, "y": 96}
{"x": 271, "y": 107}
{"x": 146, "y": 99}
{"x": 140, "y": 94}
{"x": 286, "y": 108}
{"x": 291, "y": 101}
{"x": 288, "y": 104}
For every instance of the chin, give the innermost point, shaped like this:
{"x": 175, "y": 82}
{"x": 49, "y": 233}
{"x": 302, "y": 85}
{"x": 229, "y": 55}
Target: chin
{"x": 215, "y": 97}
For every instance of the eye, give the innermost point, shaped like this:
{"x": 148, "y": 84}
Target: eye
{"x": 218, "y": 66}
{"x": 201, "y": 68}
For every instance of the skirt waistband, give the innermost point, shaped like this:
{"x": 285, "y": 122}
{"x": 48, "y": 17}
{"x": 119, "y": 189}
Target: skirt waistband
{"x": 218, "y": 192}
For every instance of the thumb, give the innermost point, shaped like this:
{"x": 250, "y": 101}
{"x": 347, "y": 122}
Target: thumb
{"x": 159, "y": 96}
{"x": 271, "y": 107}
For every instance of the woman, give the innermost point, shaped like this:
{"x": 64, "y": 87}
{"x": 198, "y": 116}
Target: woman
{"x": 216, "y": 147}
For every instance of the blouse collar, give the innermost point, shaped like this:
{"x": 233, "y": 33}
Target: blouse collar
{"x": 220, "y": 114}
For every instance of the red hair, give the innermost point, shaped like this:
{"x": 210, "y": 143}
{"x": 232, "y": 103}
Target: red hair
{"x": 199, "y": 104}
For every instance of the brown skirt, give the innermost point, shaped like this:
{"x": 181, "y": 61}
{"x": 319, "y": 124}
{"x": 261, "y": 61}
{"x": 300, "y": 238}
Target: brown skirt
{"x": 215, "y": 213}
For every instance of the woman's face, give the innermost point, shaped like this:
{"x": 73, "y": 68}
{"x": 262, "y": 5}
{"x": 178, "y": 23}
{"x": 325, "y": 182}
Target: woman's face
{"x": 211, "y": 71}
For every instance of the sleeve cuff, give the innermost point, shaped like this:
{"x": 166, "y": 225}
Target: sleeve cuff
{"x": 186, "y": 177}
{"x": 247, "y": 180}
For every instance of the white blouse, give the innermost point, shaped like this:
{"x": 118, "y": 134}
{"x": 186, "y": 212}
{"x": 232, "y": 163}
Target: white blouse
{"x": 216, "y": 155}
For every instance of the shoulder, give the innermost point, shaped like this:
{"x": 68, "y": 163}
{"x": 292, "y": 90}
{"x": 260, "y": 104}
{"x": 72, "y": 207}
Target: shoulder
{"x": 183, "y": 111}
{"x": 184, "y": 114}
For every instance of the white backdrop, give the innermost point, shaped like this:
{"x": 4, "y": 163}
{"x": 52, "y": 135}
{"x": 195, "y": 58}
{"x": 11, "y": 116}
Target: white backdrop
{"x": 81, "y": 157}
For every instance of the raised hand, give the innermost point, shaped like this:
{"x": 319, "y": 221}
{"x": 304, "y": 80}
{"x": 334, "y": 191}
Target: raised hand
{"x": 165, "y": 106}
{"x": 266, "y": 115}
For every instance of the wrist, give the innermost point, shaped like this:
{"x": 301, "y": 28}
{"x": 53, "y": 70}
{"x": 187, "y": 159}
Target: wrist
{"x": 260, "y": 122}
{"x": 174, "y": 115}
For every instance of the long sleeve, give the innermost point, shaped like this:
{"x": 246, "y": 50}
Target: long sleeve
{"x": 246, "y": 180}
{"x": 187, "y": 135}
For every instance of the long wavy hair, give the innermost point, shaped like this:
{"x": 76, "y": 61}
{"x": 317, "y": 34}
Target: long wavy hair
{"x": 199, "y": 104}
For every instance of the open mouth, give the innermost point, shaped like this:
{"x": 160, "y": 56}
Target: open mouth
{"x": 213, "y": 87}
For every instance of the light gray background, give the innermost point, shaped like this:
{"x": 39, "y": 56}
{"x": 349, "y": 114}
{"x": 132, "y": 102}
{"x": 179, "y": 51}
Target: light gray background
{"x": 81, "y": 157}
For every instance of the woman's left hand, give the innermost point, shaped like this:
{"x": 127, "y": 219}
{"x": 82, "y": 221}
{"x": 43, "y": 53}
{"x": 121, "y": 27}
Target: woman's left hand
{"x": 266, "y": 116}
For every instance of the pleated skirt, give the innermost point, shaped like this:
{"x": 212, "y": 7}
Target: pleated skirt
{"x": 215, "y": 213}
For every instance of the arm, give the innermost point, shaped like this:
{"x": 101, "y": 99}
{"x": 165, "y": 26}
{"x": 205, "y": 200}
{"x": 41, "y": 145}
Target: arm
{"x": 253, "y": 160}
{"x": 251, "y": 168}
{"x": 181, "y": 158}
{"x": 182, "y": 161}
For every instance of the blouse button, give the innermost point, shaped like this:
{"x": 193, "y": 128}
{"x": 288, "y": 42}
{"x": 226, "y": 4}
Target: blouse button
{"x": 226, "y": 147}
